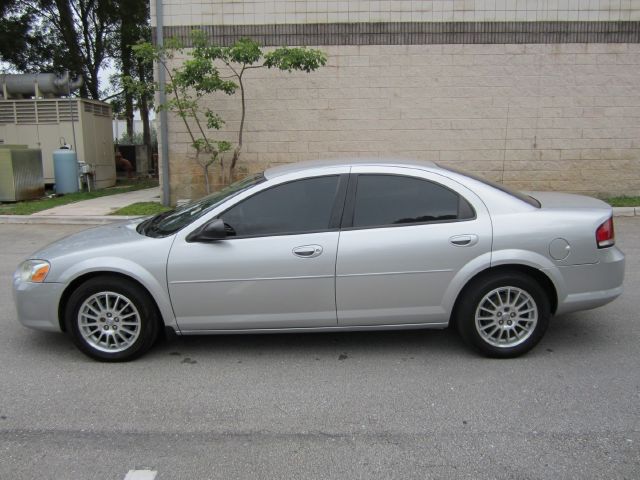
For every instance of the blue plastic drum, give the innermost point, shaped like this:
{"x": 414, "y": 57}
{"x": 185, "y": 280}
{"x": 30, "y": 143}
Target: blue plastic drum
{"x": 65, "y": 170}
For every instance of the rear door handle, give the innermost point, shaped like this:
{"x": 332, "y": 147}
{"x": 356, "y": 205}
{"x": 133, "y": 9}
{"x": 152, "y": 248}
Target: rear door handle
{"x": 464, "y": 240}
{"x": 307, "y": 251}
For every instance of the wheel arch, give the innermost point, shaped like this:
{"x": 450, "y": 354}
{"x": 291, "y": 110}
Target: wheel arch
{"x": 76, "y": 282}
{"x": 545, "y": 282}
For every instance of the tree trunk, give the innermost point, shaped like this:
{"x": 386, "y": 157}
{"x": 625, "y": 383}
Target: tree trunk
{"x": 143, "y": 106}
{"x": 126, "y": 59}
{"x": 237, "y": 150}
{"x": 128, "y": 113}
{"x": 205, "y": 168}
{"x": 70, "y": 36}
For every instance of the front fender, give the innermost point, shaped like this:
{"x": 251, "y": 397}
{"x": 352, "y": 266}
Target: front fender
{"x": 154, "y": 283}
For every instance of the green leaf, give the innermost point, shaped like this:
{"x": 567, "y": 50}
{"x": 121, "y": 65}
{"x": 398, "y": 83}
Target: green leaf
{"x": 213, "y": 119}
{"x": 301, "y": 58}
{"x": 245, "y": 51}
{"x": 224, "y": 146}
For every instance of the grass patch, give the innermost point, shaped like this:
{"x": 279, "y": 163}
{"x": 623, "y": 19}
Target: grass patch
{"x": 32, "y": 206}
{"x": 623, "y": 201}
{"x": 141, "y": 208}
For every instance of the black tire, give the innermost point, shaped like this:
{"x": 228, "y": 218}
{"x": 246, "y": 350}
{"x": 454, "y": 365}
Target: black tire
{"x": 141, "y": 311}
{"x": 499, "y": 284}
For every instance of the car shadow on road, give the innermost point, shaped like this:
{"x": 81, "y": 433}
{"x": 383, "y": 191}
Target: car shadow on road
{"x": 46, "y": 345}
{"x": 379, "y": 342}
{"x": 571, "y": 333}
{"x": 581, "y": 332}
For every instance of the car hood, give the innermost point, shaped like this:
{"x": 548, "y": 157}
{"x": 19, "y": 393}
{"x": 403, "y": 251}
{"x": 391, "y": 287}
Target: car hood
{"x": 98, "y": 240}
{"x": 568, "y": 200}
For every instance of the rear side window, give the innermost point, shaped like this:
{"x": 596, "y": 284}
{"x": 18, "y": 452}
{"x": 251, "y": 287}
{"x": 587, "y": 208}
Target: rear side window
{"x": 383, "y": 200}
{"x": 295, "y": 207}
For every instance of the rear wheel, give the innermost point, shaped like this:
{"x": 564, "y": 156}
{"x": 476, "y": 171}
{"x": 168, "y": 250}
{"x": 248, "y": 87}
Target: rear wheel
{"x": 111, "y": 319}
{"x": 503, "y": 314}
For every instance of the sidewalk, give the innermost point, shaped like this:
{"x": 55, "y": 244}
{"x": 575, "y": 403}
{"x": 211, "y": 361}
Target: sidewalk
{"x": 95, "y": 211}
{"x": 102, "y": 205}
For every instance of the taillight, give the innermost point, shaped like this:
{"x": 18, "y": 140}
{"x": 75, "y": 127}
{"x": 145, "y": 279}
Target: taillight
{"x": 605, "y": 236}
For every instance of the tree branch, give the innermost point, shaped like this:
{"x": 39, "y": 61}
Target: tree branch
{"x": 177, "y": 97}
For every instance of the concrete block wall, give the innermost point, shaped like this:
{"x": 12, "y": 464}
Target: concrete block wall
{"x": 539, "y": 94}
{"x": 536, "y": 116}
{"x": 258, "y": 12}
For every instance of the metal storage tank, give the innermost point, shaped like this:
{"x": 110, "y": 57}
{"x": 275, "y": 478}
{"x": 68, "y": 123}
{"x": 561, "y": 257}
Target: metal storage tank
{"x": 20, "y": 173}
{"x": 65, "y": 168}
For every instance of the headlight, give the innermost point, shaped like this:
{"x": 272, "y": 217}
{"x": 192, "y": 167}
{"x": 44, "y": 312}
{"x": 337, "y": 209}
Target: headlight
{"x": 33, "y": 271}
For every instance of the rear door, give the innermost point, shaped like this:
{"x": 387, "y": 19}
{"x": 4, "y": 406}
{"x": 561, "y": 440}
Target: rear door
{"x": 406, "y": 233}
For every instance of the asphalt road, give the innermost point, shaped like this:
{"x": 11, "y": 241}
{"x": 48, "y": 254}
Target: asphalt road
{"x": 350, "y": 406}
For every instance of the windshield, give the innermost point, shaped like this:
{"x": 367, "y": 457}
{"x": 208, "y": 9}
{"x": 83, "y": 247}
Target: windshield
{"x": 168, "y": 223}
{"x": 514, "y": 193}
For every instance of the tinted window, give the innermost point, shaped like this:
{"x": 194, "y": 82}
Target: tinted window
{"x": 295, "y": 207}
{"x": 170, "y": 222}
{"x": 395, "y": 200}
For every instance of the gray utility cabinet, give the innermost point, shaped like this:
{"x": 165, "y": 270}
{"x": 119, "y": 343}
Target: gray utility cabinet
{"x": 20, "y": 173}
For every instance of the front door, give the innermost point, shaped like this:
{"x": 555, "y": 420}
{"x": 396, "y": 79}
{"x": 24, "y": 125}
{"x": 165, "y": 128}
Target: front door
{"x": 276, "y": 269}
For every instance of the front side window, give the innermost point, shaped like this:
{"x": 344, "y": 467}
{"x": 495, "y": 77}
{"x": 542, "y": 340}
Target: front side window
{"x": 386, "y": 200}
{"x": 168, "y": 223}
{"x": 295, "y": 207}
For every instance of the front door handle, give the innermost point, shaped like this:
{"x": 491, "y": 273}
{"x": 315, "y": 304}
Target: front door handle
{"x": 307, "y": 251}
{"x": 464, "y": 240}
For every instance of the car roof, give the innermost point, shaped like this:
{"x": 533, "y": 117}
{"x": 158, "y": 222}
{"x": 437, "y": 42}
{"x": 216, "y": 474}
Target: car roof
{"x": 501, "y": 199}
{"x": 315, "y": 164}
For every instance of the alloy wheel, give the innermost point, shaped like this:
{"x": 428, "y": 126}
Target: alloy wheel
{"x": 506, "y": 317}
{"x": 109, "y": 322}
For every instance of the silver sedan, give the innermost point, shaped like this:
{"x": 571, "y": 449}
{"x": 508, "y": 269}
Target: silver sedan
{"x": 331, "y": 246}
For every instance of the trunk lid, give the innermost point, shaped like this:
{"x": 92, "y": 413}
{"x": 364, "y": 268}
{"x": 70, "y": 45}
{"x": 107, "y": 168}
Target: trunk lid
{"x": 568, "y": 200}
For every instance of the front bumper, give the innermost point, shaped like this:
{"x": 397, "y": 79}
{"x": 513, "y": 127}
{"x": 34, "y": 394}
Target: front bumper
{"x": 37, "y": 304}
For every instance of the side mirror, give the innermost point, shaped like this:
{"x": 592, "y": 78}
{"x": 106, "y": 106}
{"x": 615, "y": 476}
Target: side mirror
{"x": 209, "y": 232}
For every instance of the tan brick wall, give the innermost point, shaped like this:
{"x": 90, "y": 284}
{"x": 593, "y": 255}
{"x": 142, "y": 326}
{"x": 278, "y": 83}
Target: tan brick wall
{"x": 549, "y": 117}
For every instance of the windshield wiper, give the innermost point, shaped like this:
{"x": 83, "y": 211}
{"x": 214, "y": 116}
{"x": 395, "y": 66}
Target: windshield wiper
{"x": 151, "y": 224}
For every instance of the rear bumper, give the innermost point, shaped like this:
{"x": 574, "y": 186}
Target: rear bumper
{"x": 593, "y": 285}
{"x": 37, "y": 304}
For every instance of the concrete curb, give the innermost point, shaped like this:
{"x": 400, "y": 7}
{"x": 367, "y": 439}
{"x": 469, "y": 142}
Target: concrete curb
{"x": 626, "y": 211}
{"x": 63, "y": 219}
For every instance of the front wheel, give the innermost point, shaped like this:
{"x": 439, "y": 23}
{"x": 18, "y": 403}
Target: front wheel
{"x": 111, "y": 319}
{"x": 503, "y": 315}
